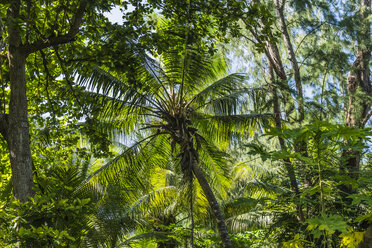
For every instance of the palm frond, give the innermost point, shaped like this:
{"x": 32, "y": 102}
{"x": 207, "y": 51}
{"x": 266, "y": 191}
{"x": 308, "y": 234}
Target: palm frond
{"x": 215, "y": 163}
{"x": 157, "y": 202}
{"x": 149, "y": 235}
{"x": 224, "y": 127}
{"x": 239, "y": 206}
{"x": 246, "y": 170}
{"x": 248, "y": 221}
{"x": 222, "y": 87}
{"x": 232, "y": 103}
{"x": 261, "y": 187}
{"x": 128, "y": 166}
{"x": 143, "y": 91}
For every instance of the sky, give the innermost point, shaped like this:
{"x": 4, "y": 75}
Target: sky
{"x": 115, "y": 16}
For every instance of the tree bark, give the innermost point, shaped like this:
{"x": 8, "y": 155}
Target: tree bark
{"x": 367, "y": 239}
{"x": 358, "y": 80}
{"x": 359, "y": 110}
{"x": 287, "y": 163}
{"x": 276, "y": 63}
{"x": 292, "y": 59}
{"x": 214, "y": 205}
{"x": 18, "y": 130}
{"x": 4, "y": 124}
{"x": 16, "y": 127}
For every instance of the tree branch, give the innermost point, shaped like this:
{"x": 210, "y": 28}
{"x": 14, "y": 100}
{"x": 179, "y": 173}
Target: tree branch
{"x": 69, "y": 83}
{"x": 48, "y": 77}
{"x": 282, "y": 6}
{"x": 292, "y": 59}
{"x": 4, "y": 126}
{"x": 60, "y": 39}
{"x": 365, "y": 120}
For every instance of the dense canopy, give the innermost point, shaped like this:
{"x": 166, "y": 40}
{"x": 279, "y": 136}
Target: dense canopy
{"x": 197, "y": 123}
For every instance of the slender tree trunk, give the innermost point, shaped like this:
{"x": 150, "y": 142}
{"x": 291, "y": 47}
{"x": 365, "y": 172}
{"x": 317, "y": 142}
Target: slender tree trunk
{"x": 292, "y": 59}
{"x": 272, "y": 53}
{"x": 275, "y": 60}
{"x": 18, "y": 130}
{"x": 287, "y": 163}
{"x": 226, "y": 243}
{"x": 300, "y": 146}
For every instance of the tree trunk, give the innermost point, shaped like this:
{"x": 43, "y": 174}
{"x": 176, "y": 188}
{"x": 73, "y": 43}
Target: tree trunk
{"x": 192, "y": 211}
{"x": 214, "y": 205}
{"x": 287, "y": 163}
{"x": 18, "y": 130}
{"x": 292, "y": 59}
{"x": 367, "y": 239}
{"x": 358, "y": 110}
{"x": 358, "y": 81}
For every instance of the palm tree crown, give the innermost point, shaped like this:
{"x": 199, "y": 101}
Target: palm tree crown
{"x": 185, "y": 95}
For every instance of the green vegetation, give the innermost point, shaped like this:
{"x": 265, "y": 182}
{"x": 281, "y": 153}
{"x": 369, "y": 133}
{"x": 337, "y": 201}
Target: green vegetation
{"x": 195, "y": 123}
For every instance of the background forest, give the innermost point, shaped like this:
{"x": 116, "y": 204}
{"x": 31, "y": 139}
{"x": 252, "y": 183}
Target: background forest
{"x": 195, "y": 123}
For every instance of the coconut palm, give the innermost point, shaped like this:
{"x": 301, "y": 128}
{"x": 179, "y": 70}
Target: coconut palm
{"x": 185, "y": 96}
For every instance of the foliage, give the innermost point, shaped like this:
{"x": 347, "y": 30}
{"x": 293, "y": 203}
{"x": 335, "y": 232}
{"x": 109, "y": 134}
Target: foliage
{"x": 325, "y": 145}
{"x": 56, "y": 216}
{"x": 120, "y": 116}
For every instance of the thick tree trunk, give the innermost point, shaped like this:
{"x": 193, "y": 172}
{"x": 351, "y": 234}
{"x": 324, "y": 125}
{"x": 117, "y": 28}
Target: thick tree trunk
{"x": 367, "y": 239}
{"x": 358, "y": 81}
{"x": 359, "y": 76}
{"x": 214, "y": 205}
{"x": 18, "y": 130}
{"x": 359, "y": 110}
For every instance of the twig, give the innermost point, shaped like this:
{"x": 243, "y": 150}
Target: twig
{"x": 365, "y": 120}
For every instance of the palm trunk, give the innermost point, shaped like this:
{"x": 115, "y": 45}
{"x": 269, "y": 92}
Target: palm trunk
{"x": 189, "y": 165}
{"x": 214, "y": 205}
{"x": 192, "y": 212}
